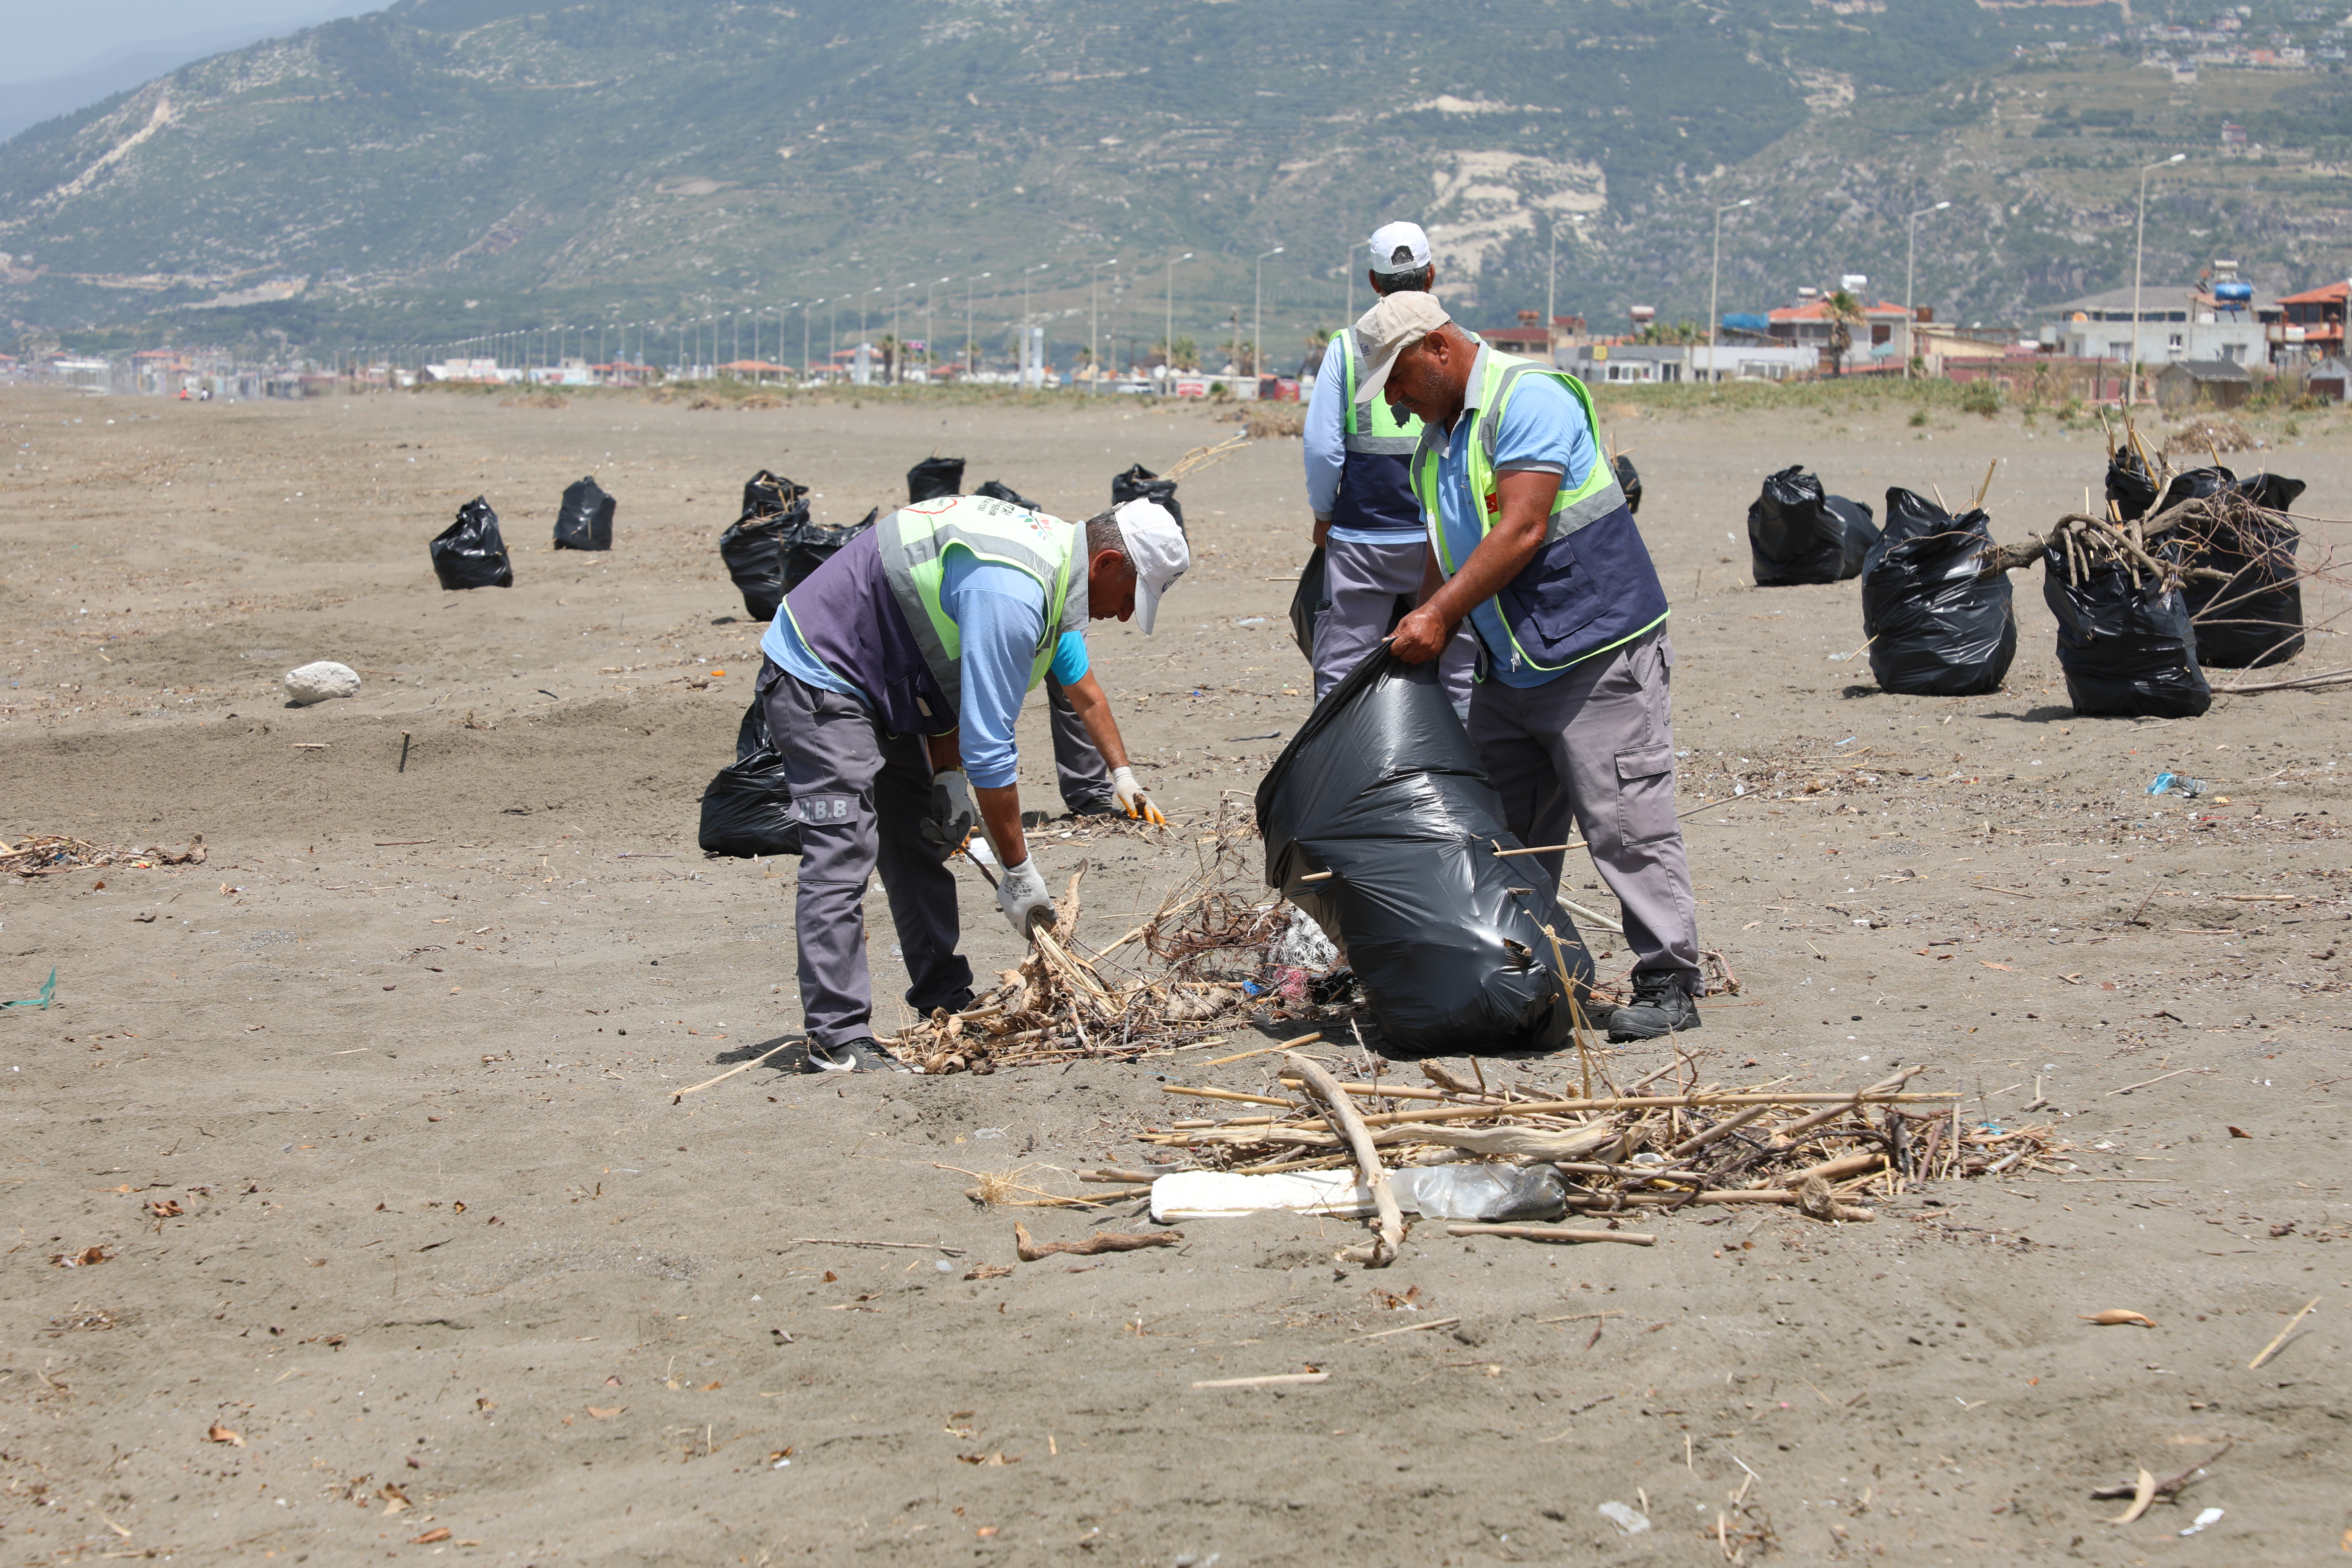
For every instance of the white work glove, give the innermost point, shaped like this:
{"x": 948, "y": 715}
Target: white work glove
{"x": 1132, "y": 798}
{"x": 1023, "y": 897}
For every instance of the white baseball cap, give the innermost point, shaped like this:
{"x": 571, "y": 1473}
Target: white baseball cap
{"x": 1156, "y": 549}
{"x": 1398, "y": 248}
{"x": 1388, "y": 328}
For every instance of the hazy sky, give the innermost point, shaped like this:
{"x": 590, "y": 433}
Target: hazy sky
{"x": 45, "y": 38}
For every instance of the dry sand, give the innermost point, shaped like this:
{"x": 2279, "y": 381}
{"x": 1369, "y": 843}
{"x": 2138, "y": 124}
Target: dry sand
{"x": 444, "y": 1237}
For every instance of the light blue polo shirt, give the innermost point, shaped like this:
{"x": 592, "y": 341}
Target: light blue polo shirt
{"x": 1543, "y": 429}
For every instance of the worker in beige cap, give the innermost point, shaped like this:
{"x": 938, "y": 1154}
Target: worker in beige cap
{"x": 1531, "y": 543}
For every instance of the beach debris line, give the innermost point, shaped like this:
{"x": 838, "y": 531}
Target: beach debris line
{"x": 51, "y": 855}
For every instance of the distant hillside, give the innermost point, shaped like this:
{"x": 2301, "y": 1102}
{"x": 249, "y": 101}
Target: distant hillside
{"x": 458, "y": 166}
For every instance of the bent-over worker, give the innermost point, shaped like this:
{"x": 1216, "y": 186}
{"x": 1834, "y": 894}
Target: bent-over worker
{"x": 1530, "y": 541}
{"x": 893, "y": 677}
{"x": 1359, "y": 488}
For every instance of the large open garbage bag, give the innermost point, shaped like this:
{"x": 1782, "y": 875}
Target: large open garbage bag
{"x": 748, "y": 809}
{"x": 752, "y": 545}
{"x": 809, "y": 545}
{"x": 1139, "y": 483}
{"x": 470, "y": 552}
{"x": 1797, "y": 534}
{"x": 1382, "y": 788}
{"x": 2126, "y": 646}
{"x": 1938, "y": 627}
{"x": 1629, "y": 480}
{"x": 1000, "y": 490}
{"x": 933, "y": 477}
{"x": 1309, "y": 603}
{"x": 2256, "y": 618}
{"x": 584, "y": 521}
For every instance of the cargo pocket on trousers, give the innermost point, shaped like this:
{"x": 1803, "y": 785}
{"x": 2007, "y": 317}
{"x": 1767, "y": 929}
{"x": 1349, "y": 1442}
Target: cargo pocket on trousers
{"x": 1645, "y": 795}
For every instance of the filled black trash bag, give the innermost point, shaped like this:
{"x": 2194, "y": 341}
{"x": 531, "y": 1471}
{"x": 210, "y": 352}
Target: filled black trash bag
{"x": 1629, "y": 480}
{"x": 2256, "y": 618}
{"x": 1313, "y": 597}
{"x": 809, "y": 545}
{"x": 753, "y": 546}
{"x": 933, "y": 477}
{"x": 1936, "y": 628}
{"x": 470, "y": 552}
{"x": 2127, "y": 649}
{"x": 998, "y": 489}
{"x": 1382, "y": 787}
{"x": 584, "y": 521}
{"x": 1139, "y": 483}
{"x": 748, "y": 809}
{"x": 2129, "y": 485}
{"x": 1796, "y": 534}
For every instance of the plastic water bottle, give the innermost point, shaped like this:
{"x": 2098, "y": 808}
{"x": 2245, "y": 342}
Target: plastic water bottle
{"x": 1486, "y": 1193}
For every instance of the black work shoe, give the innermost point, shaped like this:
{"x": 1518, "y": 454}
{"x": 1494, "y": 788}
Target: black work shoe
{"x": 852, "y": 1056}
{"x": 1661, "y": 1005}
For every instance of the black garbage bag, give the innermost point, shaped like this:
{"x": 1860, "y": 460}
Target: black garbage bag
{"x": 933, "y": 477}
{"x": 809, "y": 545}
{"x": 748, "y": 809}
{"x": 470, "y": 552}
{"x": 584, "y": 521}
{"x": 2127, "y": 648}
{"x": 1797, "y": 534}
{"x": 1139, "y": 483}
{"x": 2129, "y": 485}
{"x": 752, "y": 545}
{"x": 1936, "y": 628}
{"x": 1312, "y": 599}
{"x": 2256, "y": 618}
{"x": 1382, "y": 787}
{"x": 1629, "y": 480}
{"x": 999, "y": 490}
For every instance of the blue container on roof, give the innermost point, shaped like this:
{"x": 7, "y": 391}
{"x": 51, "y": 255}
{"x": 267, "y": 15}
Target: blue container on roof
{"x": 2236, "y": 295}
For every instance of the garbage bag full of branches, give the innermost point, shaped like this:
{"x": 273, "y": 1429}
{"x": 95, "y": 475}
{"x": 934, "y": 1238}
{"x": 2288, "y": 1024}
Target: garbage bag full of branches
{"x": 2124, "y": 637}
{"x": 584, "y": 519}
{"x": 1797, "y": 534}
{"x": 934, "y": 477}
{"x": 1139, "y": 483}
{"x": 1382, "y": 788}
{"x": 1939, "y": 625}
{"x": 748, "y": 809}
{"x": 1309, "y": 603}
{"x": 2131, "y": 488}
{"x": 2255, "y": 617}
{"x": 752, "y": 545}
{"x": 470, "y": 552}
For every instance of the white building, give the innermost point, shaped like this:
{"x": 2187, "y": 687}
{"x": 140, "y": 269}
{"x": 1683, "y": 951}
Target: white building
{"x": 2176, "y": 322}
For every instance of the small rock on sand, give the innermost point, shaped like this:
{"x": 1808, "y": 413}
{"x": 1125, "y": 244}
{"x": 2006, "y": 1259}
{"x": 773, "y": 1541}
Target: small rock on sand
{"x": 317, "y": 681}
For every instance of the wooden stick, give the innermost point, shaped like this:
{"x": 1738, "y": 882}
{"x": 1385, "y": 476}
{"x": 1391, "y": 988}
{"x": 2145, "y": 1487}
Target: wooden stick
{"x": 730, "y": 1072}
{"x": 404, "y": 753}
{"x": 908, "y": 1246}
{"x": 1390, "y": 1235}
{"x": 1987, "y": 486}
{"x": 1030, "y": 1252}
{"x": 1408, "y": 1329}
{"x": 1275, "y": 1381}
{"x": 1243, "y": 1055}
{"x": 1798, "y": 1129}
{"x": 2159, "y": 1077}
{"x": 1228, "y": 1094}
{"x": 1634, "y": 1102}
{"x": 1689, "y": 1146}
{"x": 1554, "y": 1232}
{"x": 2271, "y": 1348}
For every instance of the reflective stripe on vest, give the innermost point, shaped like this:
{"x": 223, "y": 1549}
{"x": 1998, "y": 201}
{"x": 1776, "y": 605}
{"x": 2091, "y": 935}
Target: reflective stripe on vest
{"x": 1371, "y": 426}
{"x": 914, "y": 541}
{"x": 1496, "y": 376}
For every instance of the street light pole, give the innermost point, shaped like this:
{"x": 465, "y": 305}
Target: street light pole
{"x": 1169, "y": 364}
{"x": 1094, "y": 325}
{"x": 1714, "y": 284}
{"x": 2139, "y": 244}
{"x": 1257, "y": 326}
{"x": 1910, "y": 262}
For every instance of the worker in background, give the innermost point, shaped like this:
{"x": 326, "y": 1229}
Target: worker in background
{"x": 1530, "y": 541}
{"x": 1366, "y": 518}
{"x": 892, "y": 679}
{"x": 1085, "y": 737}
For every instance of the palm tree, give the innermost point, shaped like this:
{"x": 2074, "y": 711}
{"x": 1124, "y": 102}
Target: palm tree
{"x": 1845, "y": 312}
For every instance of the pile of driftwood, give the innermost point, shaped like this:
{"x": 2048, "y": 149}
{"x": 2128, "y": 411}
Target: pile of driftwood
{"x": 1654, "y": 1145}
{"x": 1163, "y": 985}
{"x": 50, "y": 855}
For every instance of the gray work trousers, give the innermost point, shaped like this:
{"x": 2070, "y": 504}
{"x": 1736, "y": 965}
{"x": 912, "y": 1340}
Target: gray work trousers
{"x": 1598, "y": 744}
{"x": 861, "y": 796}
{"x": 1369, "y": 587}
{"x": 1078, "y": 768}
